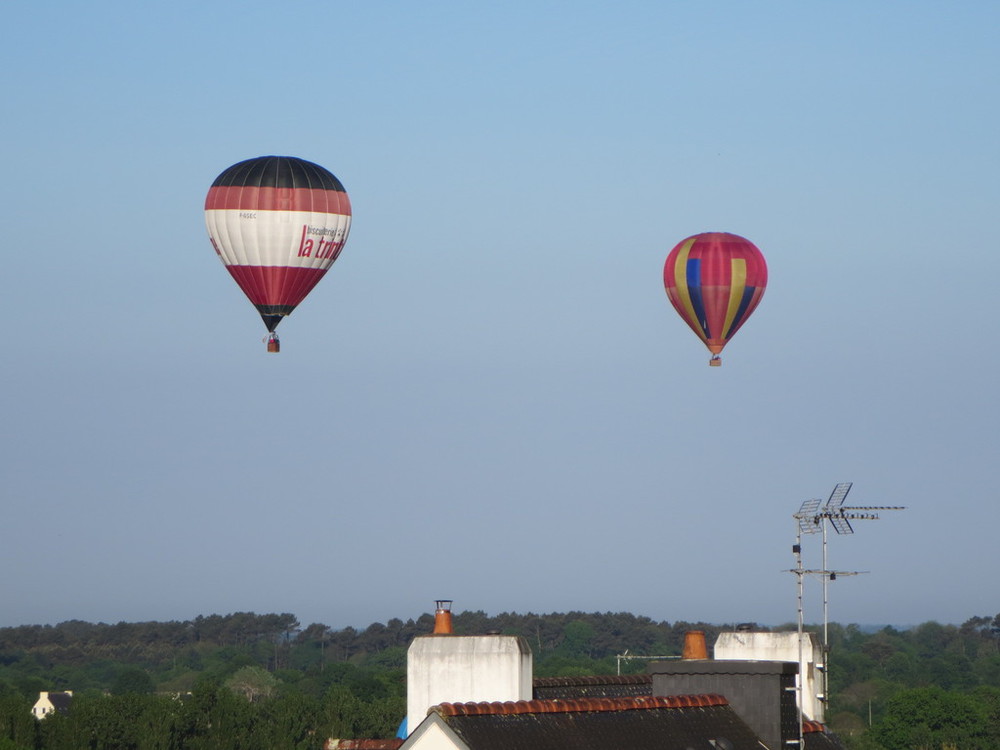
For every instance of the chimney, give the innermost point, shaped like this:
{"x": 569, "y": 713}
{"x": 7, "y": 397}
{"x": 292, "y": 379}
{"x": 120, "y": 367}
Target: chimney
{"x": 463, "y": 668}
{"x": 694, "y": 645}
{"x": 442, "y": 617}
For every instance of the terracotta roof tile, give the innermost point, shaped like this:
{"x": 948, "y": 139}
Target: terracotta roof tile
{"x": 578, "y": 705}
{"x": 335, "y": 744}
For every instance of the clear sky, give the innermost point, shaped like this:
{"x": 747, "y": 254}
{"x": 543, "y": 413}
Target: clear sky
{"x": 489, "y": 397}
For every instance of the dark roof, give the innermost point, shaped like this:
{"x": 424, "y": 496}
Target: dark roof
{"x": 761, "y": 692}
{"x": 650, "y": 723}
{"x": 61, "y": 701}
{"x": 334, "y": 744}
{"x": 602, "y": 686}
{"x": 724, "y": 666}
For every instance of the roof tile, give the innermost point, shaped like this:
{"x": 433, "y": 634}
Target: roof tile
{"x": 612, "y": 679}
{"x": 578, "y": 705}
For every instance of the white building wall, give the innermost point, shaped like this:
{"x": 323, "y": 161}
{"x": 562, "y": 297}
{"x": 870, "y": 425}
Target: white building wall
{"x": 463, "y": 669}
{"x": 754, "y": 646}
{"x": 43, "y": 706}
{"x": 433, "y": 736}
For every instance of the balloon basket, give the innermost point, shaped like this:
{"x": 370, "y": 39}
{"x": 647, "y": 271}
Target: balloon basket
{"x": 273, "y": 345}
{"x": 715, "y": 362}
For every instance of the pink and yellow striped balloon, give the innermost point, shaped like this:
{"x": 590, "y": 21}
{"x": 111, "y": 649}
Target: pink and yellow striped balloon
{"x": 715, "y": 281}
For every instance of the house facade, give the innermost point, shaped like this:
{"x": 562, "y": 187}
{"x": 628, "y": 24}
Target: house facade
{"x": 49, "y": 703}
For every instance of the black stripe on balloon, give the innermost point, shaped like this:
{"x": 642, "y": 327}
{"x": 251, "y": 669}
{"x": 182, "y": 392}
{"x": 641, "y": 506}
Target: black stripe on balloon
{"x": 275, "y": 309}
{"x": 273, "y": 314}
{"x": 278, "y": 172}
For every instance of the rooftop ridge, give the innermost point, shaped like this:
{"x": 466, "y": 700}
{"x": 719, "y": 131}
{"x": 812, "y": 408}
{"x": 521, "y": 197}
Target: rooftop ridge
{"x": 610, "y": 679}
{"x": 577, "y": 705}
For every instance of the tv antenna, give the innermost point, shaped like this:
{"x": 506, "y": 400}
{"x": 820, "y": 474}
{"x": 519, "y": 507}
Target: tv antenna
{"x": 810, "y": 519}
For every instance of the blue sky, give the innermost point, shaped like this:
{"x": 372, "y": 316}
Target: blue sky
{"x": 489, "y": 398}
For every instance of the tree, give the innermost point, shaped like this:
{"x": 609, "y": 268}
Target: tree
{"x": 253, "y": 683}
{"x": 18, "y": 728}
{"x": 343, "y": 713}
{"x": 577, "y": 636}
{"x": 101, "y": 722}
{"x": 879, "y": 648}
{"x": 133, "y": 680}
{"x": 932, "y": 718}
{"x": 291, "y": 723}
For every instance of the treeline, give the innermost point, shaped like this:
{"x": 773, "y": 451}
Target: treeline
{"x": 157, "y": 643}
{"x": 266, "y": 675}
{"x": 931, "y": 686}
{"x": 79, "y": 655}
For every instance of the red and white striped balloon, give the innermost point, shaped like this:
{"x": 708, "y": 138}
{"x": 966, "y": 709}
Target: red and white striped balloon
{"x": 278, "y": 223}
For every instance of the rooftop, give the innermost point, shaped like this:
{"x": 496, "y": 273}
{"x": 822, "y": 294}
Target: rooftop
{"x": 510, "y": 708}
{"x": 635, "y": 722}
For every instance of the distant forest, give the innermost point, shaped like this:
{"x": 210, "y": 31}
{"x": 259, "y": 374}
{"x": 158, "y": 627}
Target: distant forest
{"x": 270, "y": 682}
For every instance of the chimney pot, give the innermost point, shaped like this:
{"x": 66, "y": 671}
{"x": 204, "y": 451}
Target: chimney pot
{"x": 694, "y": 645}
{"x": 442, "y": 617}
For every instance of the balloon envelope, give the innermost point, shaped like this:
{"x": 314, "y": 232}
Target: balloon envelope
{"x": 278, "y": 223}
{"x": 714, "y": 281}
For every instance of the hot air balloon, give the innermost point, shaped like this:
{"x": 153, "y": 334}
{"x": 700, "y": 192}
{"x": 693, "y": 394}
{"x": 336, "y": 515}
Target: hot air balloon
{"x": 714, "y": 281}
{"x": 278, "y": 223}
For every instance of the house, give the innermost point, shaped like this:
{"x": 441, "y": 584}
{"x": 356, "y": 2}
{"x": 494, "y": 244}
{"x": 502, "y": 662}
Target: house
{"x": 478, "y": 693}
{"x": 52, "y": 702}
{"x": 693, "y": 722}
{"x": 758, "y": 677}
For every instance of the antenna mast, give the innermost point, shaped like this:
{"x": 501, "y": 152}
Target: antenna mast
{"x": 810, "y": 519}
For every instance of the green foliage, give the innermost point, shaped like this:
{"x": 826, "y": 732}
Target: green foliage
{"x": 933, "y": 718}
{"x": 18, "y": 728}
{"x": 577, "y": 639}
{"x": 132, "y": 680}
{"x": 392, "y": 658}
{"x": 347, "y": 716}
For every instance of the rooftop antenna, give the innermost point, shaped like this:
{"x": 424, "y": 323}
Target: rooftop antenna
{"x": 811, "y": 518}
{"x": 626, "y": 656}
{"x": 806, "y": 523}
{"x": 840, "y": 516}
